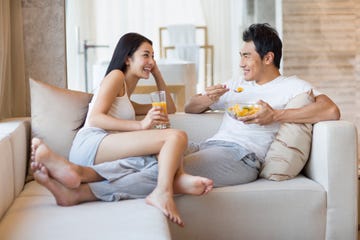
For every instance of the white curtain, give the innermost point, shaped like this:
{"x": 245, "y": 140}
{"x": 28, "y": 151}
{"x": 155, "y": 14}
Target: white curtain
{"x": 161, "y": 13}
{"x": 14, "y": 92}
{"x": 218, "y": 20}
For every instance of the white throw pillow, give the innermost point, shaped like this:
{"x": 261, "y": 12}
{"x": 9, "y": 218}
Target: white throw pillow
{"x": 56, "y": 113}
{"x": 290, "y": 149}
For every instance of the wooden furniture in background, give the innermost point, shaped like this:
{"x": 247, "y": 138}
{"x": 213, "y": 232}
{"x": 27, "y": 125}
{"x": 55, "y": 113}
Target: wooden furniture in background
{"x": 208, "y": 53}
{"x": 177, "y": 90}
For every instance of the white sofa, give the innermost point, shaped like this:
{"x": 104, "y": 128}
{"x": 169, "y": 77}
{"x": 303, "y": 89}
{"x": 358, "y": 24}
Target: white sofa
{"x": 321, "y": 203}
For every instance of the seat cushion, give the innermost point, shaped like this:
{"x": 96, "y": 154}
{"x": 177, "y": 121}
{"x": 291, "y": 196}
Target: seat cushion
{"x": 36, "y": 212}
{"x": 264, "y": 209}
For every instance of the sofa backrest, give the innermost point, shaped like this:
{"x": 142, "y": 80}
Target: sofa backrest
{"x": 197, "y": 126}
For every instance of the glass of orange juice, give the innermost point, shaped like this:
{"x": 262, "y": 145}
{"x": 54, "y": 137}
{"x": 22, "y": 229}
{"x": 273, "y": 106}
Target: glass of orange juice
{"x": 158, "y": 99}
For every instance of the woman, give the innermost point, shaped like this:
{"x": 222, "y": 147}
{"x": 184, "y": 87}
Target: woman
{"x": 114, "y": 154}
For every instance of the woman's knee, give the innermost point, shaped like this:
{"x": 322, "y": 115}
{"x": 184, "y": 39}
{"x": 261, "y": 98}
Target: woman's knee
{"x": 177, "y": 135}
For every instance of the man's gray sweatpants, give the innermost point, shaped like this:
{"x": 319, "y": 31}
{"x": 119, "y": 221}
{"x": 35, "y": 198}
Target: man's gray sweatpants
{"x": 226, "y": 163}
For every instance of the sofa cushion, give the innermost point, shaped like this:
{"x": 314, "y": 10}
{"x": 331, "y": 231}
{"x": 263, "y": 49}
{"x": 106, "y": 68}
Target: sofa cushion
{"x": 197, "y": 126}
{"x": 56, "y": 113}
{"x": 293, "y": 209}
{"x": 290, "y": 149}
{"x": 34, "y": 215}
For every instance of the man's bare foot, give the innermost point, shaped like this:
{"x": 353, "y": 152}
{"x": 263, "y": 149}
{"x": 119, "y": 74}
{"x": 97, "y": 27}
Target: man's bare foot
{"x": 63, "y": 195}
{"x": 165, "y": 202}
{"x": 58, "y": 167}
{"x": 194, "y": 185}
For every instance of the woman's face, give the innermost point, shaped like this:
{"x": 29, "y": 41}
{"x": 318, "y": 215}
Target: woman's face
{"x": 142, "y": 61}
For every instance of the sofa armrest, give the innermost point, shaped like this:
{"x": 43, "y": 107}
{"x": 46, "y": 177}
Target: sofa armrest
{"x": 14, "y": 149}
{"x": 333, "y": 164}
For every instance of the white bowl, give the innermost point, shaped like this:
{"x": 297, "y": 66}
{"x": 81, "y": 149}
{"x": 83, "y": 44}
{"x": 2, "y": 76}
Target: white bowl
{"x": 237, "y": 110}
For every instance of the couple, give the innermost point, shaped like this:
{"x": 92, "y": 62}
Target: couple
{"x": 116, "y": 157}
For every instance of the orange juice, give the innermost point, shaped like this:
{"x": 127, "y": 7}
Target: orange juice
{"x": 158, "y": 99}
{"x": 160, "y": 104}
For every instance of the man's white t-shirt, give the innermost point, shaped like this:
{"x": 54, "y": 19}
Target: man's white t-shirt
{"x": 277, "y": 93}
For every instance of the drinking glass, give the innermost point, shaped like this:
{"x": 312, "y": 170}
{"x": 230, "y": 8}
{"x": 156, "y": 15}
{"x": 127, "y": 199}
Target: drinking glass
{"x": 158, "y": 99}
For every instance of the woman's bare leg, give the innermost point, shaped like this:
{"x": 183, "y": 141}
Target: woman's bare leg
{"x": 169, "y": 160}
{"x": 68, "y": 174}
{"x": 170, "y": 145}
{"x": 64, "y": 196}
{"x": 137, "y": 143}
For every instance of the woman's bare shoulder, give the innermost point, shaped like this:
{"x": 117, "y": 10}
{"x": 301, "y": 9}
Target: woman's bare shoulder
{"x": 112, "y": 84}
{"x": 116, "y": 73}
{"x": 114, "y": 77}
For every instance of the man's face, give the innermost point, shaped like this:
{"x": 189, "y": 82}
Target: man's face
{"x": 250, "y": 62}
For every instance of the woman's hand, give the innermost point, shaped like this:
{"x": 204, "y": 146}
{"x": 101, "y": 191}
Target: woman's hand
{"x": 154, "y": 116}
{"x": 155, "y": 71}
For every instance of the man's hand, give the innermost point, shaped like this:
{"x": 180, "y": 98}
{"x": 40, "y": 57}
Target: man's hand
{"x": 265, "y": 116}
{"x": 216, "y": 91}
{"x": 201, "y": 102}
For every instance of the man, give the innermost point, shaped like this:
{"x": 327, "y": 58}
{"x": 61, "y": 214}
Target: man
{"x": 234, "y": 154}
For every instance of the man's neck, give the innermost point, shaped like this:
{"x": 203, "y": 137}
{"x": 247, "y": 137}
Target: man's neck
{"x": 269, "y": 76}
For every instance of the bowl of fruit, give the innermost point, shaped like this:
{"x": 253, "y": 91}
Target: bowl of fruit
{"x": 238, "y": 110}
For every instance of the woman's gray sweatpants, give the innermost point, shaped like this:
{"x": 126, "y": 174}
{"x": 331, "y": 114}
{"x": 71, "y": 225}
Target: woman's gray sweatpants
{"x": 225, "y": 163}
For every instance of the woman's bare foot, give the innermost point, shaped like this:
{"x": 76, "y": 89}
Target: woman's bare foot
{"x": 63, "y": 195}
{"x": 35, "y": 142}
{"x": 194, "y": 185}
{"x": 165, "y": 202}
{"x": 57, "y": 167}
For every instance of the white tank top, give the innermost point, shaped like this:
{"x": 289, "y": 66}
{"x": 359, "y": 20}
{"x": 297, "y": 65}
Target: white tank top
{"x": 121, "y": 107}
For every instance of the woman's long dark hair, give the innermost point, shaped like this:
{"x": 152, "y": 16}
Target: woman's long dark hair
{"x": 125, "y": 48}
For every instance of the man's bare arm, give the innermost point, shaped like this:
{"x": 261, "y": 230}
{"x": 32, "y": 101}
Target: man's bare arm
{"x": 201, "y": 102}
{"x": 322, "y": 109}
{"x": 198, "y": 104}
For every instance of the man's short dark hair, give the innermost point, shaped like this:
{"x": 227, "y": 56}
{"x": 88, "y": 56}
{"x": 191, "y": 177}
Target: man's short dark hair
{"x": 266, "y": 39}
